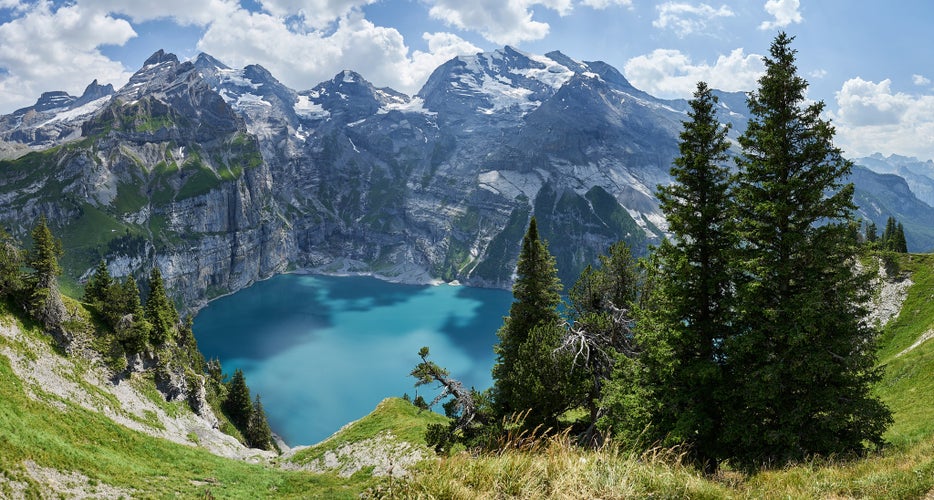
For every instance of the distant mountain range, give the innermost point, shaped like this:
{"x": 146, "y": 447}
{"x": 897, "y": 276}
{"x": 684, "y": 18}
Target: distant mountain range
{"x": 224, "y": 176}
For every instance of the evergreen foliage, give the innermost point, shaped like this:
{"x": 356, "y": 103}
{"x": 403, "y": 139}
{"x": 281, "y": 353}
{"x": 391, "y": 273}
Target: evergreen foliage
{"x": 693, "y": 309}
{"x": 800, "y": 357}
{"x": 160, "y": 312}
{"x": 258, "y": 434}
{"x": 11, "y": 259}
{"x": 98, "y": 287}
{"x": 238, "y": 406}
{"x": 601, "y": 304}
{"x": 517, "y": 384}
{"x": 44, "y": 301}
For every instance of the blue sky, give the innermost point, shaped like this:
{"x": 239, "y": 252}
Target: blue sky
{"x": 870, "y": 61}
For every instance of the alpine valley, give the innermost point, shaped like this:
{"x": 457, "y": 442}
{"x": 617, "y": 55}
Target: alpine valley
{"x": 225, "y": 176}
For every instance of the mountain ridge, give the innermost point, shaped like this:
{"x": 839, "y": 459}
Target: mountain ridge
{"x": 224, "y": 176}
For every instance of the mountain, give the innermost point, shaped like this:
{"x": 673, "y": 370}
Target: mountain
{"x": 56, "y": 117}
{"x": 224, "y": 176}
{"x": 919, "y": 175}
{"x": 880, "y": 196}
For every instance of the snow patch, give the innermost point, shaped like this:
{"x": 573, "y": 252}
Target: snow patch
{"x": 416, "y": 105}
{"x": 247, "y": 99}
{"x": 306, "y": 108}
{"x": 80, "y": 111}
{"x": 235, "y": 77}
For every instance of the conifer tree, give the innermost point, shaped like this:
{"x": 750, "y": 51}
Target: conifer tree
{"x": 160, "y": 312}
{"x": 900, "y": 245}
{"x": 135, "y": 334}
{"x": 686, "y": 377}
{"x": 537, "y": 295}
{"x": 601, "y": 303}
{"x": 237, "y": 406}
{"x": 258, "y": 433}
{"x": 11, "y": 258}
{"x": 45, "y": 302}
{"x": 871, "y": 235}
{"x": 99, "y": 284}
{"x": 801, "y": 358}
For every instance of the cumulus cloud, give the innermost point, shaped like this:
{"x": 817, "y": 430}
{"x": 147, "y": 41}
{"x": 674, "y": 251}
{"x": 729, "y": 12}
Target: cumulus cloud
{"x": 685, "y": 18}
{"x": 185, "y": 12}
{"x": 784, "y": 12}
{"x": 672, "y": 74}
{"x": 57, "y": 49}
{"x": 315, "y": 13}
{"x": 499, "y": 21}
{"x": 302, "y": 59}
{"x": 920, "y": 80}
{"x": 871, "y": 118}
{"x": 603, "y": 4}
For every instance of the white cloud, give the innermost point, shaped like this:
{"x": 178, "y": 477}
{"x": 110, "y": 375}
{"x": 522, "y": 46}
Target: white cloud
{"x": 185, "y": 12}
{"x": 303, "y": 59}
{"x": 499, "y": 21}
{"x": 671, "y": 73}
{"x": 57, "y": 49}
{"x": 784, "y": 12}
{"x": 685, "y": 18}
{"x": 920, "y": 80}
{"x": 316, "y": 13}
{"x": 818, "y": 74}
{"x": 603, "y": 4}
{"x": 871, "y": 118}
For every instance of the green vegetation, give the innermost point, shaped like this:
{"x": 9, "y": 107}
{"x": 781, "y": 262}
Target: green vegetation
{"x": 402, "y": 419}
{"x": 73, "y": 439}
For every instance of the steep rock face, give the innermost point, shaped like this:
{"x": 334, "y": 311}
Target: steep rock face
{"x": 166, "y": 173}
{"x": 223, "y": 176}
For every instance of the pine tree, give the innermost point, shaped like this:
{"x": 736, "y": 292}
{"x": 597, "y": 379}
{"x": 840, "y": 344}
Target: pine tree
{"x": 258, "y": 433}
{"x": 801, "y": 358}
{"x": 871, "y": 235}
{"x": 160, "y": 312}
{"x": 98, "y": 285}
{"x": 889, "y": 234}
{"x": 537, "y": 295}
{"x": 135, "y": 334}
{"x": 601, "y": 303}
{"x": 45, "y": 302}
{"x": 900, "y": 244}
{"x": 697, "y": 287}
{"x": 11, "y": 258}
{"x": 237, "y": 406}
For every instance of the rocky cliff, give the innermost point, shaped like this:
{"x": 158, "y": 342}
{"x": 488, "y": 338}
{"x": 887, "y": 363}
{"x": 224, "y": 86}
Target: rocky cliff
{"x": 224, "y": 176}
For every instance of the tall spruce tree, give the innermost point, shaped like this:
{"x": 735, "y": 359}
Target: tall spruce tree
{"x": 45, "y": 302}
{"x": 258, "y": 434}
{"x": 237, "y": 405}
{"x": 687, "y": 377}
{"x": 11, "y": 258}
{"x": 537, "y": 292}
{"x": 801, "y": 360}
{"x": 99, "y": 284}
{"x": 160, "y": 312}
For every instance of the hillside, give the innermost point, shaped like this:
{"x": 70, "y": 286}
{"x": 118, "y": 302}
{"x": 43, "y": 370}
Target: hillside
{"x": 67, "y": 429}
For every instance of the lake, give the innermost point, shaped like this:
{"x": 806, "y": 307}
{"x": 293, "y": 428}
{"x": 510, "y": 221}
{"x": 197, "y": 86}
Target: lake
{"x": 322, "y": 351}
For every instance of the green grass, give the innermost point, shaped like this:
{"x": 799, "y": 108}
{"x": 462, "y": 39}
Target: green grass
{"x": 200, "y": 182}
{"x": 405, "y": 421}
{"x": 77, "y": 440}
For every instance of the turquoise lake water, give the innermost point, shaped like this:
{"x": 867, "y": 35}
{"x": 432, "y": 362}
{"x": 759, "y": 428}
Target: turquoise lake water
{"x": 322, "y": 351}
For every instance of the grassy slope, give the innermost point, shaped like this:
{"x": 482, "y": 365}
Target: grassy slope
{"x": 405, "y": 421}
{"x": 73, "y": 439}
